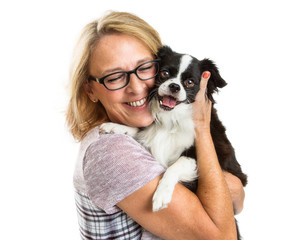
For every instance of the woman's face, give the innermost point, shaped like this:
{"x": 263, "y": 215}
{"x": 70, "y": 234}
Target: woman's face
{"x": 119, "y": 52}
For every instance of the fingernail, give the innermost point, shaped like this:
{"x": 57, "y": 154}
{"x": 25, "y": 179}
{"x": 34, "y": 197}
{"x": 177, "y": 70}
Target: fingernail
{"x": 206, "y": 75}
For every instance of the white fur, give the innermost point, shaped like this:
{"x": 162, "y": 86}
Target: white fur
{"x": 184, "y": 169}
{"x": 164, "y": 88}
{"x": 167, "y": 139}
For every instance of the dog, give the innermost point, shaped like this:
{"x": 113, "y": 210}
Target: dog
{"x": 170, "y": 138}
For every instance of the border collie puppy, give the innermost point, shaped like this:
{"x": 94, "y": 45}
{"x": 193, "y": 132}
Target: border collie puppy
{"x": 170, "y": 138}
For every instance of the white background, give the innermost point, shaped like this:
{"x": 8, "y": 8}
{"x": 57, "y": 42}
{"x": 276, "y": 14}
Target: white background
{"x": 254, "y": 43}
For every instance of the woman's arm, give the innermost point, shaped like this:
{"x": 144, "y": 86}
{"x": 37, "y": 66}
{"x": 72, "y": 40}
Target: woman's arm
{"x": 184, "y": 218}
{"x": 212, "y": 189}
{"x": 205, "y": 215}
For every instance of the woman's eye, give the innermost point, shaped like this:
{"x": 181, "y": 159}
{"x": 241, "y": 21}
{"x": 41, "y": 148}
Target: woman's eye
{"x": 189, "y": 83}
{"x": 114, "y": 78}
{"x": 164, "y": 74}
{"x": 144, "y": 69}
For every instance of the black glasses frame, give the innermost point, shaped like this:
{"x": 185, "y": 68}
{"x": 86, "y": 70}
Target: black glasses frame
{"x": 128, "y": 73}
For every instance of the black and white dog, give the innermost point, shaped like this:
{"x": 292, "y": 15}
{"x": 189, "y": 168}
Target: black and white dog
{"x": 170, "y": 139}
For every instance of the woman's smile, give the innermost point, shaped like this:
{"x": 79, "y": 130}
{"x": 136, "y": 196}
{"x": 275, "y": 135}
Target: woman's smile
{"x": 138, "y": 103}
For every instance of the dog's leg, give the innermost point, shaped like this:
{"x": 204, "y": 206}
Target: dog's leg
{"x": 184, "y": 169}
{"x": 110, "y": 127}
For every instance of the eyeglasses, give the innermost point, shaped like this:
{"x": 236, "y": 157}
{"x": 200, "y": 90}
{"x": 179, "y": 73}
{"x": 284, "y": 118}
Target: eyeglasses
{"x": 118, "y": 80}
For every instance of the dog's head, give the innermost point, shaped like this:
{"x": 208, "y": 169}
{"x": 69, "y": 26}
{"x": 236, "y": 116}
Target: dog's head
{"x": 178, "y": 80}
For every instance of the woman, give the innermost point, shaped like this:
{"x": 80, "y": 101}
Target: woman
{"x": 115, "y": 177}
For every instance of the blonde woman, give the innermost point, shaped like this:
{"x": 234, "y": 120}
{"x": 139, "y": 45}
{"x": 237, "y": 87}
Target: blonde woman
{"x": 114, "y": 67}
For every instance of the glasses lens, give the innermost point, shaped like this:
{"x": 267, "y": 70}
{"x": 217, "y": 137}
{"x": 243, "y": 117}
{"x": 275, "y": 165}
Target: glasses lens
{"x": 115, "y": 81}
{"x": 147, "y": 70}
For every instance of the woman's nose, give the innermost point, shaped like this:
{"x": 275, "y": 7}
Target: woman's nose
{"x": 135, "y": 84}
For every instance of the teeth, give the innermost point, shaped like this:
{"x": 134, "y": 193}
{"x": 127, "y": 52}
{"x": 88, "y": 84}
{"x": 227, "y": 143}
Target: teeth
{"x": 137, "y": 103}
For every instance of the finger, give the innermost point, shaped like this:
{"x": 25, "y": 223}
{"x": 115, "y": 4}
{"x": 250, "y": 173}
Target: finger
{"x": 203, "y": 83}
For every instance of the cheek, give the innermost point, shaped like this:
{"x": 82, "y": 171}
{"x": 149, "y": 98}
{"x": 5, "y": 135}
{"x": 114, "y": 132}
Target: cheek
{"x": 106, "y": 97}
{"x": 110, "y": 99}
{"x": 150, "y": 83}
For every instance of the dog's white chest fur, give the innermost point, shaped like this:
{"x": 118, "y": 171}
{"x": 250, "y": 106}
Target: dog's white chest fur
{"x": 168, "y": 138}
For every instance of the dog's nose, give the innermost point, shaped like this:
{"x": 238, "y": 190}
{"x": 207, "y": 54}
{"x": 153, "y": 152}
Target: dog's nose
{"x": 174, "y": 87}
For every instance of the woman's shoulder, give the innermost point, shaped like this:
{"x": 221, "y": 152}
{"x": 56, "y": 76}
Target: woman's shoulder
{"x": 115, "y": 141}
{"x": 94, "y": 137}
{"x": 116, "y": 144}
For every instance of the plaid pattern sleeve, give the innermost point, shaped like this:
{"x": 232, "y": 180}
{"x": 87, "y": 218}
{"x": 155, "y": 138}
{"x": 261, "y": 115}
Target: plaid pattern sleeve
{"x": 95, "y": 224}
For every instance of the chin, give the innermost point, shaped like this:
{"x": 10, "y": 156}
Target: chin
{"x": 144, "y": 122}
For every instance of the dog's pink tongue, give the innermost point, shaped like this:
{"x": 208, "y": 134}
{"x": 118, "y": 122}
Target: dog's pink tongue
{"x": 169, "y": 102}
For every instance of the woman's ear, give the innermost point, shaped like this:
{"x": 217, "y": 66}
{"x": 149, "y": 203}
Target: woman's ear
{"x": 89, "y": 91}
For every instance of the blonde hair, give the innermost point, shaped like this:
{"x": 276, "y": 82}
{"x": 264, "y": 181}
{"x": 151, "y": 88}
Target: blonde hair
{"x": 83, "y": 114}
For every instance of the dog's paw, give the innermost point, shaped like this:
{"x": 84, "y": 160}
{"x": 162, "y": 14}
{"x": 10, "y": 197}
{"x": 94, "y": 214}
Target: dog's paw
{"x": 109, "y": 127}
{"x": 162, "y": 197}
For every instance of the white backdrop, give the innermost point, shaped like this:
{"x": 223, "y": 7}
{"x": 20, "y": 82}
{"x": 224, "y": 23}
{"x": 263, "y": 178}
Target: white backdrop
{"x": 254, "y": 43}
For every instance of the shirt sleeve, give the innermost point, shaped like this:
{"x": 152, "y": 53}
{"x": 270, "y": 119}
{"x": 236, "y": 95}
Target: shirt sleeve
{"x": 114, "y": 167}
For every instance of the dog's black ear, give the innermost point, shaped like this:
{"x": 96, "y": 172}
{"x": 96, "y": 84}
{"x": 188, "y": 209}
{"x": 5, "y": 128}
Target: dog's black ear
{"x": 215, "y": 80}
{"x": 164, "y": 51}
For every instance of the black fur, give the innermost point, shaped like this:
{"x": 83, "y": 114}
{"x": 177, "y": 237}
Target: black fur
{"x": 170, "y": 61}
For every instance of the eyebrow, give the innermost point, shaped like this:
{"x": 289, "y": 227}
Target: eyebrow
{"x": 119, "y": 69}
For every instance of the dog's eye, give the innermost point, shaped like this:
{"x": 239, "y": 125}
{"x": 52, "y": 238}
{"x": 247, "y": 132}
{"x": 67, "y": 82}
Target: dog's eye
{"x": 164, "y": 74}
{"x": 189, "y": 83}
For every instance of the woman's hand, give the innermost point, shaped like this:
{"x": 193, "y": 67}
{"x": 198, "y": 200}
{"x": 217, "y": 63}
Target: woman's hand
{"x": 236, "y": 191}
{"x": 202, "y": 105}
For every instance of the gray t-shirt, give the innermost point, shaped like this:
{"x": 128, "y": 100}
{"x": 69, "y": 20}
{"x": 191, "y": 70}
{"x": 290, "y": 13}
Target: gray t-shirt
{"x": 109, "y": 168}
